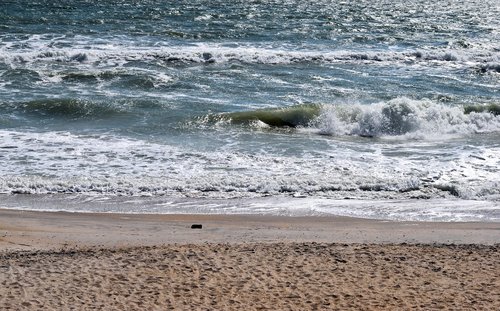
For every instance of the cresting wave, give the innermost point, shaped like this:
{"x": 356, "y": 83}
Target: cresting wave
{"x": 401, "y": 116}
{"x": 293, "y": 116}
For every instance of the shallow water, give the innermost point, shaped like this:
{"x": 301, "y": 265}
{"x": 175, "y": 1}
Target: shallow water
{"x": 208, "y": 99}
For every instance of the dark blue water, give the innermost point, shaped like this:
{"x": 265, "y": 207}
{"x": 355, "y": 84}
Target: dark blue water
{"x": 322, "y": 99}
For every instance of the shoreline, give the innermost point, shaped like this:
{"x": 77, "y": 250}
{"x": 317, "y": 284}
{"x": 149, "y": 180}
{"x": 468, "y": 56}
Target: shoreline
{"x": 35, "y": 230}
{"x": 431, "y": 210}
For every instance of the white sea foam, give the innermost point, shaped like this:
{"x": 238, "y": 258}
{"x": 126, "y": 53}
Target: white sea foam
{"x": 60, "y": 162}
{"x": 118, "y": 52}
{"x": 422, "y": 119}
{"x": 401, "y": 210}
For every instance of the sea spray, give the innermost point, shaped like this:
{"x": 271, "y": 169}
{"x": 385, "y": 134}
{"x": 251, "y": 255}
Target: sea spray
{"x": 403, "y": 116}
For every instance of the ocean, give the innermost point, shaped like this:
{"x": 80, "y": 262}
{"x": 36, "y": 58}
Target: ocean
{"x": 377, "y": 109}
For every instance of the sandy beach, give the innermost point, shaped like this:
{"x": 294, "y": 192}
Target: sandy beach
{"x": 69, "y": 261}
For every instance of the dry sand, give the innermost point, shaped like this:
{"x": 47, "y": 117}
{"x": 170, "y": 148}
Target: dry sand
{"x": 61, "y": 261}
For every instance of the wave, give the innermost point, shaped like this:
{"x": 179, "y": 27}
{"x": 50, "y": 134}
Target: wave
{"x": 142, "y": 79}
{"x": 294, "y": 116}
{"x": 491, "y": 108}
{"x": 490, "y": 67}
{"x": 401, "y": 116}
{"x": 482, "y": 60}
{"x": 66, "y": 107}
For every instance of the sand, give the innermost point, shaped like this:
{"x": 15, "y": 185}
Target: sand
{"x": 63, "y": 261}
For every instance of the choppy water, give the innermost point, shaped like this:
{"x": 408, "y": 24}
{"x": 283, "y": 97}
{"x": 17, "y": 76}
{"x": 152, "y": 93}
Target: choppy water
{"x": 323, "y": 100}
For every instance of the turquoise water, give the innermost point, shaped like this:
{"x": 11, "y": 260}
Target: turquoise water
{"x": 383, "y": 100}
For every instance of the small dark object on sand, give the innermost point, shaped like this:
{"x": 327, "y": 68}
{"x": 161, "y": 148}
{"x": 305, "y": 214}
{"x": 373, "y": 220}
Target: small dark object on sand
{"x": 196, "y": 226}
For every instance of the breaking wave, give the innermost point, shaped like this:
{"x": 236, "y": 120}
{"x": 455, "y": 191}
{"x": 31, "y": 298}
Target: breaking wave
{"x": 293, "y": 116}
{"x": 401, "y": 116}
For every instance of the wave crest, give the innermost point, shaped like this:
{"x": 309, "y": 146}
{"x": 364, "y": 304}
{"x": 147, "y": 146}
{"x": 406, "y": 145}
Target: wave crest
{"x": 397, "y": 117}
{"x": 403, "y": 116}
{"x": 293, "y": 116}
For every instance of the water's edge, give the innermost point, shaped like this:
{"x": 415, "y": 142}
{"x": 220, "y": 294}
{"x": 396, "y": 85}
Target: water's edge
{"x": 433, "y": 210}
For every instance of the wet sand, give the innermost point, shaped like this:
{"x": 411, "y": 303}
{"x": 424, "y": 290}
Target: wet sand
{"x": 62, "y": 261}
